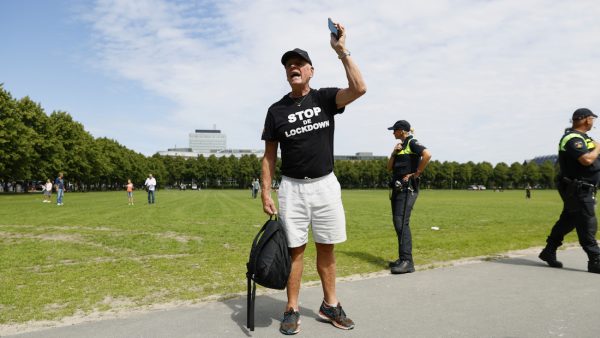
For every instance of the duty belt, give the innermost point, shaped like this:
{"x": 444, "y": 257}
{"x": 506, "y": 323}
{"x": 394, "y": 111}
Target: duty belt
{"x": 581, "y": 185}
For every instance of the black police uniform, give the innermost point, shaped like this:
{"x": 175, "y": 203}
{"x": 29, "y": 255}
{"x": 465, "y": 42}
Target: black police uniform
{"x": 404, "y": 194}
{"x": 577, "y": 188}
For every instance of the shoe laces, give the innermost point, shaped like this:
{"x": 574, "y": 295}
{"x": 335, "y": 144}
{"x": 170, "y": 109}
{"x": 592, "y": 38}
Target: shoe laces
{"x": 341, "y": 313}
{"x": 287, "y": 315}
{"x": 338, "y": 312}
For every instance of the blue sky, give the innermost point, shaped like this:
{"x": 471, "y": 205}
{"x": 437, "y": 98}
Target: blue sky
{"x": 478, "y": 80}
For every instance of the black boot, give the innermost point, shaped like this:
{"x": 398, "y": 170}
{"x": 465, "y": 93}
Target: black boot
{"x": 594, "y": 265}
{"x": 403, "y": 267}
{"x": 549, "y": 256}
{"x": 394, "y": 263}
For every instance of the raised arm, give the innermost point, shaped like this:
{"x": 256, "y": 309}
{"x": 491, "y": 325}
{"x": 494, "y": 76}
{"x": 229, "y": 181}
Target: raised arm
{"x": 356, "y": 85}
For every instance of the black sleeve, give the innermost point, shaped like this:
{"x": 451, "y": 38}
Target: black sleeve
{"x": 417, "y": 147}
{"x": 327, "y": 99}
{"x": 576, "y": 147}
{"x": 268, "y": 133}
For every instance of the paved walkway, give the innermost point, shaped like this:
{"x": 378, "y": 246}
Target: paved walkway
{"x": 513, "y": 297}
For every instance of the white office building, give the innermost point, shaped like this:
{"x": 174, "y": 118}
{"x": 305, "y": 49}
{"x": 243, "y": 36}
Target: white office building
{"x": 207, "y": 140}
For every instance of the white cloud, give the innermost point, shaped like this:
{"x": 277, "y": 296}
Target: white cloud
{"x": 479, "y": 80}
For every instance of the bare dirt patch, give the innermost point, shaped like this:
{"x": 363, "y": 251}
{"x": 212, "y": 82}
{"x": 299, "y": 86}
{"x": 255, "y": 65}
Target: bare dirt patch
{"x": 44, "y": 237}
{"x": 178, "y": 237}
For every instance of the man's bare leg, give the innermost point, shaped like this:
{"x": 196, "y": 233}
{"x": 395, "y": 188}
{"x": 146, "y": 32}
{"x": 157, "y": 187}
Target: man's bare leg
{"x": 326, "y": 268}
{"x": 293, "y": 284}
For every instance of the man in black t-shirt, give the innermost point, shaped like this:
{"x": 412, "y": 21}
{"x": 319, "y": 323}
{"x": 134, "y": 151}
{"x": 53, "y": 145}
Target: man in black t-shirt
{"x": 302, "y": 122}
{"x": 577, "y": 181}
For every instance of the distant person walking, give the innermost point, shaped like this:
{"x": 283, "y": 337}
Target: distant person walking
{"x": 578, "y": 177}
{"x": 528, "y": 191}
{"x": 407, "y": 162}
{"x": 48, "y": 192}
{"x": 60, "y": 189}
{"x": 130, "y": 192}
{"x": 151, "y": 186}
{"x": 255, "y": 187}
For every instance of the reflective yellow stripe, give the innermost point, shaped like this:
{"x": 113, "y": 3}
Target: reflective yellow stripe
{"x": 589, "y": 143}
{"x": 406, "y": 150}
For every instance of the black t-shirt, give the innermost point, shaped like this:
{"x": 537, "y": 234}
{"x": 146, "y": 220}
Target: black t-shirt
{"x": 407, "y": 160}
{"x": 577, "y": 144}
{"x": 304, "y": 128}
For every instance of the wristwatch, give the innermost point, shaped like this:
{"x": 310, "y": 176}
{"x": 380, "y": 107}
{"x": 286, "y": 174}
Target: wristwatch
{"x": 344, "y": 54}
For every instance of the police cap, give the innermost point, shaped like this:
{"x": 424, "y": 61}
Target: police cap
{"x": 401, "y": 124}
{"x": 582, "y": 113}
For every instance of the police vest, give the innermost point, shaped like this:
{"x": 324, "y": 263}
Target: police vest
{"x": 406, "y": 150}
{"x": 589, "y": 143}
{"x": 406, "y": 161}
{"x": 570, "y": 167}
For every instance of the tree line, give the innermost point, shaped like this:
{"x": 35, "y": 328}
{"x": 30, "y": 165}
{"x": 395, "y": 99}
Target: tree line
{"x": 35, "y": 146}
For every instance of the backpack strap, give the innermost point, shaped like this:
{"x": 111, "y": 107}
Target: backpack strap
{"x": 251, "y": 298}
{"x": 250, "y": 305}
{"x": 251, "y": 266}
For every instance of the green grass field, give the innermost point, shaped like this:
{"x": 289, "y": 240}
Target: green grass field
{"x": 96, "y": 253}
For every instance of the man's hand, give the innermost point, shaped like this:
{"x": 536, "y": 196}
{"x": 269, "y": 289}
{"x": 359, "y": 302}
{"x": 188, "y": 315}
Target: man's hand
{"x": 356, "y": 84}
{"x": 339, "y": 44}
{"x": 268, "y": 204}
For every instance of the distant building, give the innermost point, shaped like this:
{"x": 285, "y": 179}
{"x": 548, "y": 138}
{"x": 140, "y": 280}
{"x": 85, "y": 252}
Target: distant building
{"x": 361, "y": 156}
{"x": 207, "y": 140}
{"x": 541, "y": 159}
{"x": 178, "y": 152}
{"x": 211, "y": 142}
{"x": 189, "y": 153}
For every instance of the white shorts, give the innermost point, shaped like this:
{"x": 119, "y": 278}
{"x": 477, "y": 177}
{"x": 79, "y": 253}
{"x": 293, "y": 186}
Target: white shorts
{"x": 317, "y": 202}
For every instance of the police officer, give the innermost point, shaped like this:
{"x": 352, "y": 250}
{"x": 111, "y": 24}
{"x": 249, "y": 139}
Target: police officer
{"x": 407, "y": 162}
{"x": 578, "y": 178}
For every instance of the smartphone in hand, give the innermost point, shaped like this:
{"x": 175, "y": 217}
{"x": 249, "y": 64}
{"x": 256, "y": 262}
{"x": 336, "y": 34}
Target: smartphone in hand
{"x": 333, "y": 28}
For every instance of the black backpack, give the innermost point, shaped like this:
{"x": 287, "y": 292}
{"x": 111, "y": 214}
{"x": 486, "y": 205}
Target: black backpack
{"x": 269, "y": 264}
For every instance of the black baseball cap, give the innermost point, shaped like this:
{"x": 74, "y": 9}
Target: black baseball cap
{"x": 402, "y": 124}
{"x": 582, "y": 113}
{"x": 296, "y": 52}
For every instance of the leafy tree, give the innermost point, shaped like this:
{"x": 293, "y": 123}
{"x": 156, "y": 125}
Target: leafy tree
{"x": 17, "y": 140}
{"x": 79, "y": 154}
{"x": 516, "y": 174}
{"x": 347, "y": 174}
{"x": 465, "y": 177}
{"x": 431, "y": 176}
{"x": 548, "y": 175}
{"x": 501, "y": 175}
{"x": 157, "y": 168}
{"x": 531, "y": 173}
{"x": 482, "y": 172}
{"x": 247, "y": 170}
